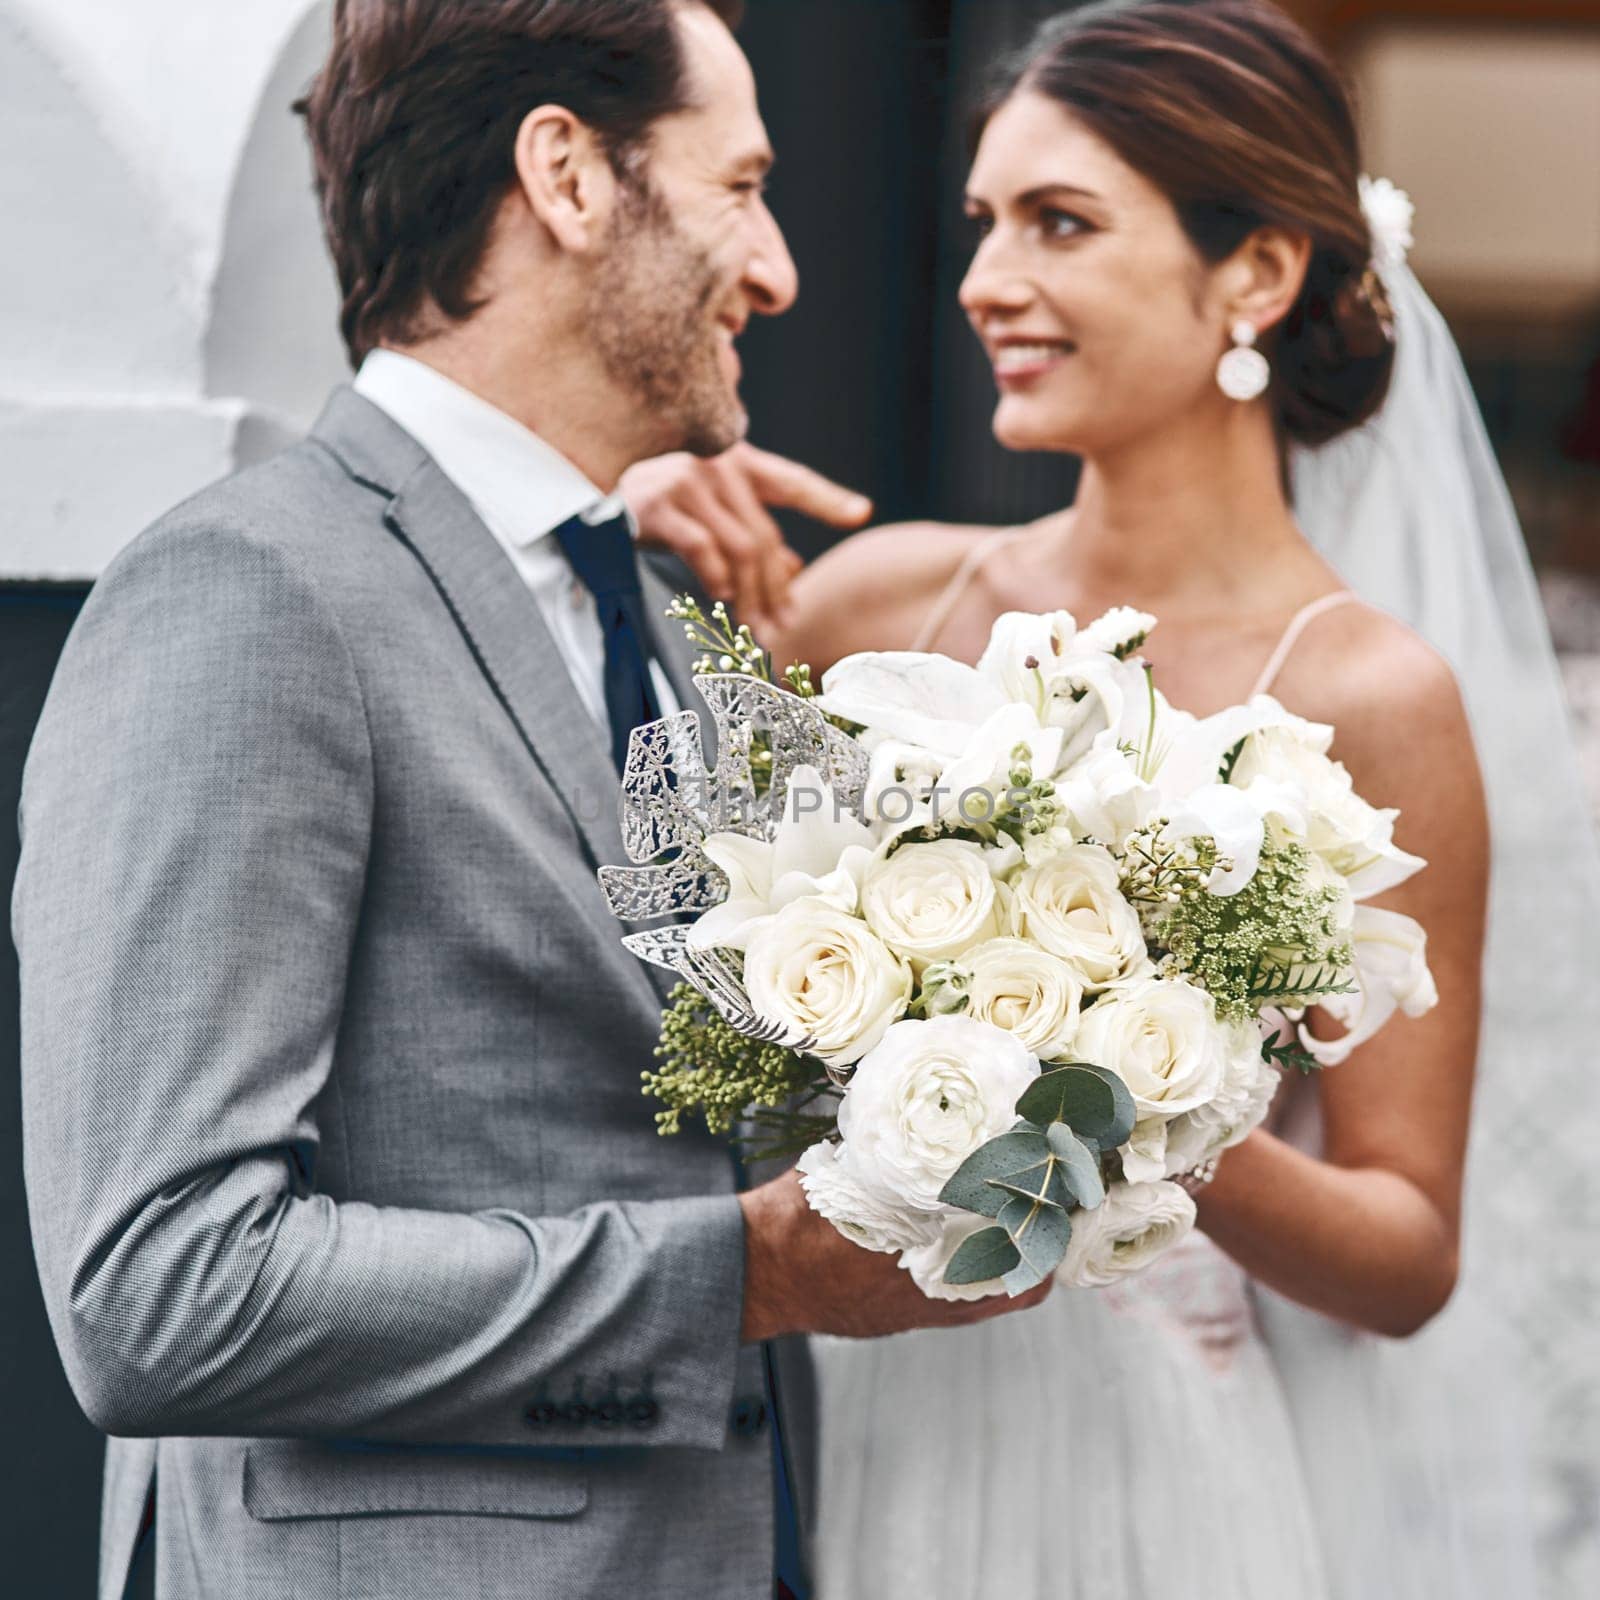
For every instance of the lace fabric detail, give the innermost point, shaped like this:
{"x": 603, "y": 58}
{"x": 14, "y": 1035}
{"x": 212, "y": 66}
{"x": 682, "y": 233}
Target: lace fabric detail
{"x": 1197, "y": 1293}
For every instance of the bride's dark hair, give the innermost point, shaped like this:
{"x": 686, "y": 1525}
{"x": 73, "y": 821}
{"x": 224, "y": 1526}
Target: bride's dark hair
{"x": 1237, "y": 115}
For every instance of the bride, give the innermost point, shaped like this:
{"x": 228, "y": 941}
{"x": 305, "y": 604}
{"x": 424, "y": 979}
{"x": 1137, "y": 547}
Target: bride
{"x": 1175, "y": 280}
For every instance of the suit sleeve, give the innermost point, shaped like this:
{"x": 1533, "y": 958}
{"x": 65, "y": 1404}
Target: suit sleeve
{"x": 196, "y": 820}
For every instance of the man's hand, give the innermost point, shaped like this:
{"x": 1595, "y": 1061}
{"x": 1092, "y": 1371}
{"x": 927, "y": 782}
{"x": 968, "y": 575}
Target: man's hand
{"x": 803, "y": 1276}
{"x": 712, "y": 514}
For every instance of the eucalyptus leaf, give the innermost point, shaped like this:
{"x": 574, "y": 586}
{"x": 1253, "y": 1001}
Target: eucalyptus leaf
{"x": 1093, "y": 1101}
{"x": 1078, "y": 1164}
{"x": 989, "y": 1253}
{"x": 1038, "y": 1232}
{"x": 1071, "y": 1094}
{"x": 1126, "y": 1112}
{"x": 1003, "y": 1156}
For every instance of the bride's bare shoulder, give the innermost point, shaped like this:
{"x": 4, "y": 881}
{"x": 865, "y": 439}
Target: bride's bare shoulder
{"x": 873, "y": 590}
{"x": 1400, "y": 724}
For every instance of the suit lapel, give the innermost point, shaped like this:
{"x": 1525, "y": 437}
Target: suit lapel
{"x": 502, "y": 624}
{"x": 485, "y": 595}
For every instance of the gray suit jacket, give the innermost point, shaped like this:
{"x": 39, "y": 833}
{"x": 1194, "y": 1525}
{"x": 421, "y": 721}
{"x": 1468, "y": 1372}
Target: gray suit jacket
{"x": 352, "y": 1220}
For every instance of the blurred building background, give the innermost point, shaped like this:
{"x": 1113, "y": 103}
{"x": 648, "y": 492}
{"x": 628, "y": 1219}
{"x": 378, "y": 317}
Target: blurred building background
{"x": 167, "y": 314}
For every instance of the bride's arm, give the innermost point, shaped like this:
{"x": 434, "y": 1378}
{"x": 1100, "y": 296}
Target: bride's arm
{"x": 1370, "y": 1233}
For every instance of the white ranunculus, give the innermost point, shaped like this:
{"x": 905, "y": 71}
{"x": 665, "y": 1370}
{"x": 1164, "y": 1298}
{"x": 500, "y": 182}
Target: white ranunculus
{"x": 1354, "y": 838}
{"x": 1249, "y": 1082}
{"x": 926, "y": 1262}
{"x": 819, "y": 848}
{"x": 867, "y": 1216}
{"x": 1161, "y": 1036}
{"x": 1070, "y": 904}
{"x": 1030, "y": 993}
{"x": 929, "y": 902}
{"x": 826, "y": 974}
{"x": 925, "y": 1098}
{"x": 1391, "y": 952}
{"x": 1129, "y": 1229}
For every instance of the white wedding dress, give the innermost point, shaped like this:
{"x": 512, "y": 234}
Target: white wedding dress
{"x": 1188, "y": 1434}
{"x": 1130, "y": 1443}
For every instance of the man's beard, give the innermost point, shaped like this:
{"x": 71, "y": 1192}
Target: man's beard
{"x": 649, "y": 314}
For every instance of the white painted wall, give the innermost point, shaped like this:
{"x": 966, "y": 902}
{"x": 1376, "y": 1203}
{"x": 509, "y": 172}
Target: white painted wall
{"x": 167, "y": 310}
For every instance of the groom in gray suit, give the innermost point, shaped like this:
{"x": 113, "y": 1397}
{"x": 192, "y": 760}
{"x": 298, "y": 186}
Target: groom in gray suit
{"x": 353, "y": 1225}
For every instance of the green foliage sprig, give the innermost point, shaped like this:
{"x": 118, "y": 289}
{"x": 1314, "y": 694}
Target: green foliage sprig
{"x": 709, "y": 1068}
{"x": 1276, "y": 942}
{"x": 1292, "y": 1055}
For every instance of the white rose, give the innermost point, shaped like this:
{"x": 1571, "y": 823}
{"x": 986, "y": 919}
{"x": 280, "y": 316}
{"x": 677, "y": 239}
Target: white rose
{"x": 1354, "y": 838}
{"x": 866, "y": 1216}
{"x": 926, "y": 1261}
{"x": 1070, "y": 905}
{"x": 929, "y": 902}
{"x": 1135, "y": 1223}
{"x": 825, "y": 974}
{"x": 1162, "y": 1038}
{"x": 1030, "y": 993}
{"x": 1249, "y": 1082}
{"x": 925, "y": 1098}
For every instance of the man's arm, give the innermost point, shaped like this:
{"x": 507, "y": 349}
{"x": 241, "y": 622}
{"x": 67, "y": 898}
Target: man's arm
{"x": 196, "y": 819}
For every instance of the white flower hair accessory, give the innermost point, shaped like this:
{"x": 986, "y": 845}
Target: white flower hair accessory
{"x": 1389, "y": 213}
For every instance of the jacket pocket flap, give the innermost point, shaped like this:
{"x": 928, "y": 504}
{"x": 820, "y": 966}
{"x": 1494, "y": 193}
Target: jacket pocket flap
{"x": 287, "y": 1480}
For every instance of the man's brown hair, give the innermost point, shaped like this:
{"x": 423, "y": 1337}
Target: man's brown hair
{"x": 413, "y": 119}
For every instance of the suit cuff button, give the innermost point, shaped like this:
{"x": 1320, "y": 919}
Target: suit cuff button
{"x": 642, "y": 1411}
{"x": 748, "y": 1415}
{"x": 540, "y": 1414}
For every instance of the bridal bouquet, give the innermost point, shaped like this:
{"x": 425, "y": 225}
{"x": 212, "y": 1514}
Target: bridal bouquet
{"x": 1004, "y": 950}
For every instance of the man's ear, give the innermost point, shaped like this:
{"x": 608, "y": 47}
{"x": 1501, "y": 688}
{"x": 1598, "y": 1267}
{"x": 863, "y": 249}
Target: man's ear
{"x": 565, "y": 177}
{"x": 1265, "y": 276}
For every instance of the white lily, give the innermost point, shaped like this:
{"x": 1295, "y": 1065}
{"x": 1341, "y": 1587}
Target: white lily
{"x": 819, "y": 848}
{"x": 1391, "y": 972}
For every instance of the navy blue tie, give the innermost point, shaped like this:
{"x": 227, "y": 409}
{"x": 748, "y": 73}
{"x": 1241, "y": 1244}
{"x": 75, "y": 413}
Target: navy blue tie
{"x": 602, "y": 555}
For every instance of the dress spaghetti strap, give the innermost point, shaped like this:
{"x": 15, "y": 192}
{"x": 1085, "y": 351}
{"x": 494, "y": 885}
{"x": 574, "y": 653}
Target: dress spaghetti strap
{"x": 934, "y": 623}
{"x": 1298, "y": 624}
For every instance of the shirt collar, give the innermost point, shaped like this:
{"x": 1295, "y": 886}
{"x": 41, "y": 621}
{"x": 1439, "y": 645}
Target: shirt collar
{"x": 521, "y": 486}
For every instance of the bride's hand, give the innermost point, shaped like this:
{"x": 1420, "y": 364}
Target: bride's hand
{"x": 712, "y": 514}
{"x": 803, "y": 1276}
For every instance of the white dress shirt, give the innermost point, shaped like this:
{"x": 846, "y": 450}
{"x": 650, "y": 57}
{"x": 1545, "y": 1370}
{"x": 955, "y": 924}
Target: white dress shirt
{"x": 522, "y": 488}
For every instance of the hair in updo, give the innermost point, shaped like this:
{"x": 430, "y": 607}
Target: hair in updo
{"x": 1236, "y": 114}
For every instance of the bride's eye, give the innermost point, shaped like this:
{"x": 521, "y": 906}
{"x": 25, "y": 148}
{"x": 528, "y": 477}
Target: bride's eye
{"x": 979, "y": 225}
{"x": 1055, "y": 223}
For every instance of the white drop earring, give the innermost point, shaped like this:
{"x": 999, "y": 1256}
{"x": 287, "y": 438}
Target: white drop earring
{"x": 1243, "y": 373}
